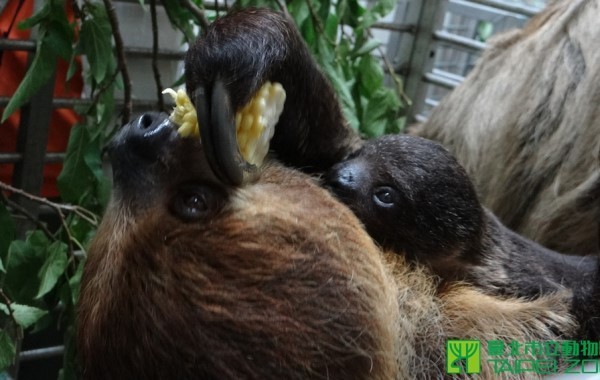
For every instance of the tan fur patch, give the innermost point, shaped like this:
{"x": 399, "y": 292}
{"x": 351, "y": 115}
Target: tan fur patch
{"x": 526, "y": 126}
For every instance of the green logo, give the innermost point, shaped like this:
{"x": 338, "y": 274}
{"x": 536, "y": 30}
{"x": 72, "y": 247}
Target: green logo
{"x": 463, "y": 356}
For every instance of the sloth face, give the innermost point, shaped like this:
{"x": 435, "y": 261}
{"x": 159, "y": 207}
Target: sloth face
{"x": 412, "y": 196}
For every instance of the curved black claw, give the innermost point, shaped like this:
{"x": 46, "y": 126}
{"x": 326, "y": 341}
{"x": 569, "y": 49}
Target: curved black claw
{"x": 216, "y": 121}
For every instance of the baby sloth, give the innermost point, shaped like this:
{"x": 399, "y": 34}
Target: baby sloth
{"x": 414, "y": 198}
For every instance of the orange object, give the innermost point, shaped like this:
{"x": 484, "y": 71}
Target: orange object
{"x": 13, "y": 65}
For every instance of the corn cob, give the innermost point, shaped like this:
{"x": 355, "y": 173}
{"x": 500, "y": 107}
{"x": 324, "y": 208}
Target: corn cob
{"x": 254, "y": 123}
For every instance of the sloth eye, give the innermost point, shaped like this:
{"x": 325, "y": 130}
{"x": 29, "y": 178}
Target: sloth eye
{"x": 385, "y": 196}
{"x": 194, "y": 202}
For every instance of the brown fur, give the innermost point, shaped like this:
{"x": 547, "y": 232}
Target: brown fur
{"x": 280, "y": 282}
{"x": 526, "y": 126}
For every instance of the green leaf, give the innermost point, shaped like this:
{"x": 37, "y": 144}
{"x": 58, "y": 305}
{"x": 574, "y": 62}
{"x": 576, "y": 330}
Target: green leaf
{"x": 323, "y": 8}
{"x": 341, "y": 8}
{"x": 82, "y": 169}
{"x": 76, "y": 176}
{"x": 325, "y": 51}
{"x": 331, "y": 27}
{"x": 485, "y": 29}
{"x": 352, "y": 13}
{"x": 343, "y": 90}
{"x": 379, "y": 9}
{"x": 59, "y": 38}
{"x": 43, "y": 14}
{"x": 308, "y": 32}
{"x": 95, "y": 39}
{"x": 7, "y": 350}
{"x": 383, "y": 7}
{"x": 106, "y": 113}
{"x": 299, "y": 11}
{"x": 367, "y": 48}
{"x": 25, "y": 258}
{"x": 53, "y": 268}
{"x": 180, "y": 18}
{"x": 75, "y": 282}
{"x": 7, "y": 233}
{"x": 24, "y": 315}
{"x": 371, "y": 75}
{"x": 380, "y": 110}
{"x": 39, "y": 73}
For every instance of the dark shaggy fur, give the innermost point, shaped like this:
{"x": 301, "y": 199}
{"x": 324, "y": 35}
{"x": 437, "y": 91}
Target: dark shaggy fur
{"x": 414, "y": 198}
{"x": 234, "y": 51}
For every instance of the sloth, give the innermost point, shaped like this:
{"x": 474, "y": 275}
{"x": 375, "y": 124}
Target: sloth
{"x": 189, "y": 277}
{"x": 414, "y": 198}
{"x": 313, "y": 136}
{"x": 193, "y": 275}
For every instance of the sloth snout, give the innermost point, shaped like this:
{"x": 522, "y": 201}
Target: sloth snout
{"x": 344, "y": 178}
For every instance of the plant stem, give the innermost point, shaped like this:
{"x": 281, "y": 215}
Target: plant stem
{"x": 159, "y": 86}
{"x": 197, "y": 12}
{"x": 114, "y": 23}
{"x": 283, "y": 7}
{"x": 21, "y": 210}
{"x": 83, "y": 213}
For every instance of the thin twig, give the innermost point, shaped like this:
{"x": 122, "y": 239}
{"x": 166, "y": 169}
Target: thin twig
{"x": 159, "y": 86}
{"x": 70, "y": 250}
{"x": 59, "y": 208}
{"x": 21, "y": 210}
{"x": 106, "y": 85}
{"x": 82, "y": 212}
{"x": 197, "y": 13}
{"x": 114, "y": 23}
{"x": 318, "y": 23}
{"x": 283, "y": 7}
{"x": 315, "y": 17}
{"x": 8, "y": 303}
{"x": 391, "y": 71}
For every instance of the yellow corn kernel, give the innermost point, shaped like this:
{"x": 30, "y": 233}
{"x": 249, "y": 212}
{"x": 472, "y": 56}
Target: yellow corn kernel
{"x": 257, "y": 121}
{"x": 254, "y": 123}
{"x": 184, "y": 113}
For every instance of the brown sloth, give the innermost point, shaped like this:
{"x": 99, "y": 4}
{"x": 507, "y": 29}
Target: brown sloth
{"x": 189, "y": 278}
{"x": 192, "y": 277}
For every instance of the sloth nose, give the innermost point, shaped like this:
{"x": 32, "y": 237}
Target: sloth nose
{"x": 150, "y": 124}
{"x": 344, "y": 177}
{"x": 147, "y": 134}
{"x": 143, "y": 138}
